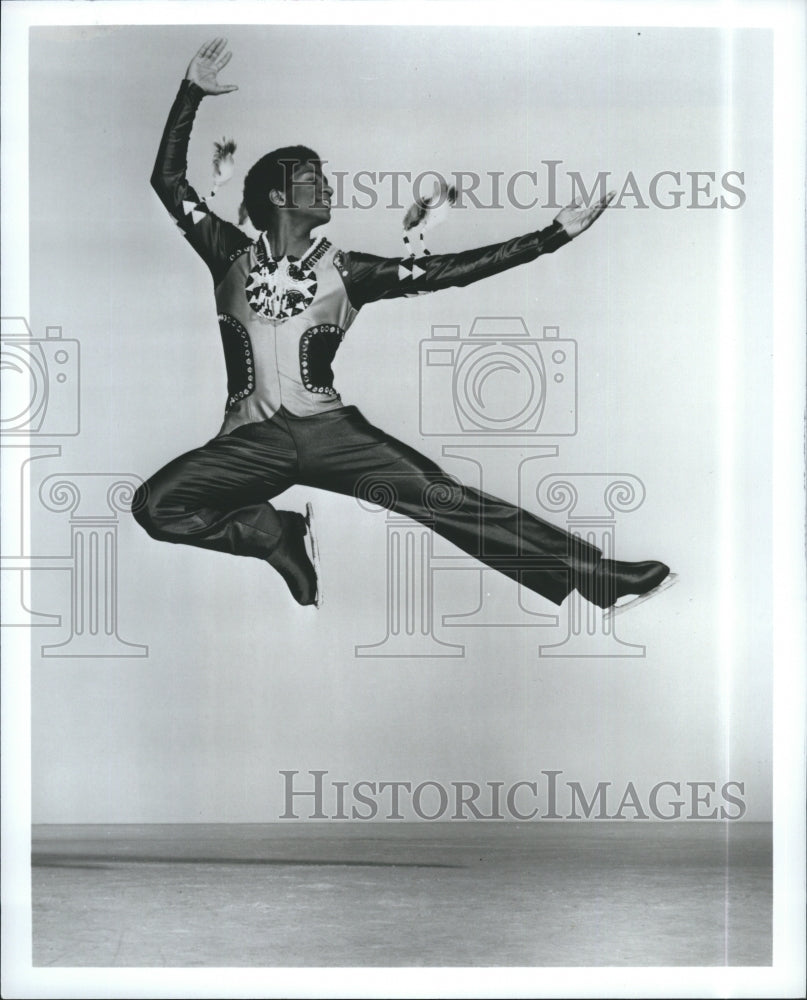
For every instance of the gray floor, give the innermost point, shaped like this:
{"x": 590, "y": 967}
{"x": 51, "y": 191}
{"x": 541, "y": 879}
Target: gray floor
{"x": 457, "y": 894}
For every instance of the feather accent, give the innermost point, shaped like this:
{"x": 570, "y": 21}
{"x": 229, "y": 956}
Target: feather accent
{"x": 431, "y": 209}
{"x": 223, "y": 163}
{"x": 427, "y": 212}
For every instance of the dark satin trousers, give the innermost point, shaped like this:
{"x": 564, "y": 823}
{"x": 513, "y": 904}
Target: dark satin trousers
{"x": 217, "y": 497}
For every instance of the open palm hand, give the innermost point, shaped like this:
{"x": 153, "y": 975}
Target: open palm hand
{"x": 576, "y": 219}
{"x": 204, "y": 68}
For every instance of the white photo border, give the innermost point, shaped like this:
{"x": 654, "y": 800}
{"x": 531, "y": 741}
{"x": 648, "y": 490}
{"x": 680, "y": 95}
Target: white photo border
{"x": 786, "y": 976}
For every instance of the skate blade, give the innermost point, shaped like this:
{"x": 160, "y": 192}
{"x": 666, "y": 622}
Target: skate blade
{"x": 618, "y": 609}
{"x": 313, "y": 550}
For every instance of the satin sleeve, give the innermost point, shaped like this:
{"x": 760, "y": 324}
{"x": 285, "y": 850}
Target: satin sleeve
{"x": 216, "y": 241}
{"x": 368, "y": 278}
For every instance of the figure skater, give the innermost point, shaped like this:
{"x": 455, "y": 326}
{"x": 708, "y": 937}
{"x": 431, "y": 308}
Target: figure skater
{"x": 284, "y": 303}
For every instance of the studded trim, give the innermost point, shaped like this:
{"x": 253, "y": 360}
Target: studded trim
{"x": 237, "y": 253}
{"x": 318, "y": 345}
{"x": 239, "y": 359}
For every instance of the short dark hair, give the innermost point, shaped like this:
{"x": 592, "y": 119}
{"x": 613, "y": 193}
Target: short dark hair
{"x": 271, "y": 173}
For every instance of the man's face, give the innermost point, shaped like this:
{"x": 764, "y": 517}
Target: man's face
{"x": 310, "y": 193}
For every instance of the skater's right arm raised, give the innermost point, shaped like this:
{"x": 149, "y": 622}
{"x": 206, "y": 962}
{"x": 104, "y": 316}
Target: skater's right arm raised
{"x": 213, "y": 239}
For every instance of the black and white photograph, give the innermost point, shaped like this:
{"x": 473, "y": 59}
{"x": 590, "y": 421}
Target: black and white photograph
{"x": 403, "y": 582}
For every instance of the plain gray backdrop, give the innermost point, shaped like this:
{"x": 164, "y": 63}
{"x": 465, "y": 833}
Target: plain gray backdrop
{"x": 240, "y": 682}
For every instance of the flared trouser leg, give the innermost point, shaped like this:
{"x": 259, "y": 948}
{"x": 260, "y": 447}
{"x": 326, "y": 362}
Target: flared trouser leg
{"x": 217, "y": 497}
{"x": 352, "y": 457}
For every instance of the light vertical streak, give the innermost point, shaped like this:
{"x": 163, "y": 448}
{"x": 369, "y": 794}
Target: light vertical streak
{"x": 729, "y": 356}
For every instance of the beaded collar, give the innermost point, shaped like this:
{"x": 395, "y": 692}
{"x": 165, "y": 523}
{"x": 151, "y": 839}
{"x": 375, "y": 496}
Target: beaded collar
{"x": 263, "y": 253}
{"x": 280, "y": 289}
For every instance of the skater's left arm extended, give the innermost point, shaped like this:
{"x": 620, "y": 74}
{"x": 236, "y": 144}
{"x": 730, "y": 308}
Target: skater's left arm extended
{"x": 369, "y": 278}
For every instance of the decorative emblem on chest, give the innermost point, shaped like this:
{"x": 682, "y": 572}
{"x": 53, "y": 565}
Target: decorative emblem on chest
{"x": 280, "y": 289}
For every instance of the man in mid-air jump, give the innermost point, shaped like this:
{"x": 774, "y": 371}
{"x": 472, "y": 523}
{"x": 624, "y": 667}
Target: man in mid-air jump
{"x": 284, "y": 303}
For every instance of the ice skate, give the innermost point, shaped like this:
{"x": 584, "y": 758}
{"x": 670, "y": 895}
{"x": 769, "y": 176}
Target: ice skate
{"x": 612, "y": 580}
{"x": 296, "y": 558}
{"x": 618, "y": 609}
{"x": 312, "y": 549}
